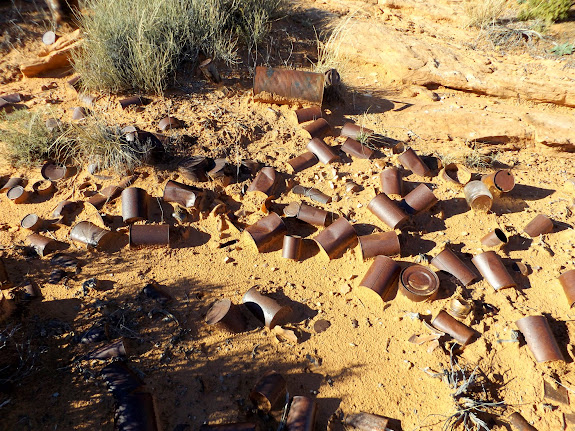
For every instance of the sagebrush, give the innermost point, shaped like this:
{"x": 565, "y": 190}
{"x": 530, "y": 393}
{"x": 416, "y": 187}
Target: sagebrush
{"x": 138, "y": 44}
{"x": 547, "y": 10}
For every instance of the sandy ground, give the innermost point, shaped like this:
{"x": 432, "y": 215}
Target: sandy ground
{"x": 363, "y": 361}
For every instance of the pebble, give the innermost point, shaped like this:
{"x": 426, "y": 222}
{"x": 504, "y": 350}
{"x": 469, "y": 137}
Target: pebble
{"x": 273, "y": 268}
{"x": 227, "y": 259}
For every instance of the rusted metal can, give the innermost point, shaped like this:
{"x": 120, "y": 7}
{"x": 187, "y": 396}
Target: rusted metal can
{"x": 301, "y": 416}
{"x": 410, "y": 160}
{"x": 462, "y": 333}
{"x": 12, "y": 182}
{"x": 538, "y": 226}
{"x": 391, "y": 181}
{"x": 288, "y": 86}
{"x": 499, "y": 182}
{"x": 134, "y": 205}
{"x": 64, "y": 209}
{"x": 381, "y": 277}
{"x": 379, "y": 243}
{"x": 318, "y": 128}
{"x": 387, "y": 211}
{"x": 147, "y": 235}
{"x": 186, "y": 196}
{"x": 367, "y": 422}
{"x": 131, "y": 101}
{"x": 448, "y": 261}
{"x": 43, "y": 187}
{"x": 18, "y": 195}
{"x": 265, "y": 181}
{"x": 308, "y": 114}
{"x": 419, "y": 199}
{"x": 226, "y": 315}
{"x": 356, "y": 132}
{"x": 355, "y": 149}
{"x": 292, "y": 247}
{"x": 456, "y": 175}
{"x": 136, "y": 411}
{"x": 303, "y": 161}
{"x": 323, "y": 152}
{"x": 113, "y": 350}
{"x": 267, "y": 233}
{"x": 567, "y": 280}
{"x": 312, "y": 215}
{"x": 336, "y": 238}
{"x": 41, "y": 244}
{"x": 169, "y": 123}
{"x": 540, "y": 338}
{"x": 269, "y": 391}
{"x": 519, "y": 423}
{"x": 266, "y": 309}
{"x": 55, "y": 172}
{"x": 89, "y": 234}
{"x": 494, "y": 238}
{"x": 491, "y": 267}
{"x": 418, "y": 283}
{"x": 460, "y": 308}
{"x": 312, "y": 193}
{"x": 31, "y": 222}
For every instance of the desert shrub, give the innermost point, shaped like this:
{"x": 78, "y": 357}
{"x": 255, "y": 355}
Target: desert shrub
{"x": 483, "y": 13}
{"x": 547, "y": 10}
{"x": 28, "y": 142}
{"x": 138, "y": 44}
{"x": 93, "y": 142}
{"x": 26, "y": 138}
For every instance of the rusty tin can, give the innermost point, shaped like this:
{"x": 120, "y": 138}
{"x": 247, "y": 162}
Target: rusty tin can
{"x": 43, "y": 187}
{"x": 32, "y": 222}
{"x": 18, "y": 195}
{"x": 89, "y": 234}
{"x": 226, "y": 315}
{"x": 269, "y": 390}
{"x": 567, "y": 280}
{"x": 462, "y": 333}
{"x": 312, "y": 215}
{"x": 292, "y": 247}
{"x": 267, "y": 232}
{"x": 169, "y": 123}
{"x": 494, "y": 238}
{"x": 302, "y": 413}
{"x": 391, "y": 181}
{"x": 491, "y": 267}
{"x": 379, "y": 243}
{"x": 499, "y": 182}
{"x": 113, "y": 350}
{"x": 448, "y": 261}
{"x": 12, "y": 182}
{"x": 336, "y": 238}
{"x": 540, "y": 338}
{"x": 266, "y": 309}
{"x": 356, "y": 132}
{"x": 538, "y": 226}
{"x": 147, "y": 235}
{"x": 264, "y": 182}
{"x": 355, "y": 149}
{"x": 134, "y": 204}
{"x": 287, "y": 86}
{"x": 410, "y": 160}
{"x": 456, "y": 175}
{"x": 41, "y": 244}
{"x": 318, "y": 128}
{"x": 418, "y": 283}
{"x": 367, "y": 422}
{"x": 322, "y": 151}
{"x": 303, "y": 161}
{"x": 186, "y": 196}
{"x": 387, "y": 211}
{"x": 519, "y": 423}
{"x": 419, "y": 199}
{"x": 308, "y": 114}
{"x": 312, "y": 193}
{"x": 381, "y": 277}
{"x": 55, "y": 172}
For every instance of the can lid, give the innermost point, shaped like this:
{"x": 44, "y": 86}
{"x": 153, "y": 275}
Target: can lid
{"x": 419, "y": 283}
{"x": 218, "y": 311}
{"x": 504, "y": 181}
{"x": 52, "y": 171}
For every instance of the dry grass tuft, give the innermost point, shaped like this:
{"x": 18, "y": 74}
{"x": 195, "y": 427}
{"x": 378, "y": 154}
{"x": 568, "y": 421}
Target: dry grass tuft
{"x": 138, "y": 44}
{"x": 483, "y": 13}
{"x": 330, "y": 55}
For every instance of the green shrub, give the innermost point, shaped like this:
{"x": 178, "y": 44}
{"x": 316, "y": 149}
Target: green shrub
{"x": 547, "y": 10}
{"x": 138, "y": 44}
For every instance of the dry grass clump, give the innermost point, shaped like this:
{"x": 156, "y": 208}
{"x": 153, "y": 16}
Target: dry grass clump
{"x": 138, "y": 44}
{"x": 26, "y": 137}
{"x": 29, "y": 142}
{"x": 483, "y": 13}
{"x": 93, "y": 142}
